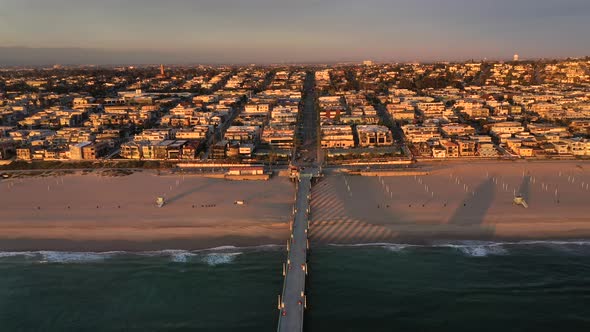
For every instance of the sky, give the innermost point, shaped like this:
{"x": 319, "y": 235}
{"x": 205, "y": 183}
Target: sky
{"x": 277, "y": 31}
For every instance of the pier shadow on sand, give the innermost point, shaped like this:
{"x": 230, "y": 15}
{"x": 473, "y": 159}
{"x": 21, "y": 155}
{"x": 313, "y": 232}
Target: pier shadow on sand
{"x": 474, "y": 208}
{"x": 334, "y": 224}
{"x": 340, "y": 218}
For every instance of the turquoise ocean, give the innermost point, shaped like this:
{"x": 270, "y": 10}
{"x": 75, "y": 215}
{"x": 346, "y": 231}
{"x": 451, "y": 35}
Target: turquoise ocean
{"x": 456, "y": 286}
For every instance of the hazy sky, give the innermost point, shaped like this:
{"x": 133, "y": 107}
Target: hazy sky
{"x": 299, "y": 30}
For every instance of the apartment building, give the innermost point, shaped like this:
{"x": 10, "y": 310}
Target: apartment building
{"x": 337, "y": 136}
{"x": 508, "y": 127}
{"x": 421, "y": 134}
{"x": 153, "y": 135}
{"x": 457, "y": 130}
{"x": 476, "y": 113}
{"x": 88, "y": 150}
{"x": 373, "y": 135}
{"x": 257, "y": 109}
{"x": 278, "y": 138}
{"x": 196, "y": 133}
{"x": 431, "y": 109}
{"x": 243, "y": 134}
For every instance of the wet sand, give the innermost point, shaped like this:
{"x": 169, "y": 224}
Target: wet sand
{"x": 98, "y": 213}
{"x": 455, "y": 202}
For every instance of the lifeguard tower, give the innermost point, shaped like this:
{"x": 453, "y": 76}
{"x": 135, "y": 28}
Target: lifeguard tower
{"x": 160, "y": 201}
{"x": 519, "y": 200}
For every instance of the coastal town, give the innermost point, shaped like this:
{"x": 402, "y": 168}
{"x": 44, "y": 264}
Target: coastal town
{"x": 367, "y": 113}
{"x": 296, "y": 166}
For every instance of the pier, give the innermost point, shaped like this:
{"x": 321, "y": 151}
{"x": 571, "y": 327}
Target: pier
{"x": 293, "y": 301}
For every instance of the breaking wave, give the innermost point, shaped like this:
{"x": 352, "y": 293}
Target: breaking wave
{"x": 60, "y": 256}
{"x": 396, "y": 247}
{"x": 75, "y": 257}
{"x": 17, "y": 254}
{"x": 211, "y": 256}
{"x": 478, "y": 248}
{"x": 215, "y": 259}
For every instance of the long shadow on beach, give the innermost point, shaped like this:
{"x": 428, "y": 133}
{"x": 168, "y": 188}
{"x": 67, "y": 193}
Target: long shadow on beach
{"x": 187, "y": 193}
{"x": 525, "y": 188}
{"x": 473, "y": 210}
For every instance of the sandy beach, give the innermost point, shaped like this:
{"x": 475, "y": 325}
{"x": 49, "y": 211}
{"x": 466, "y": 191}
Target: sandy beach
{"x": 456, "y": 201}
{"x": 99, "y": 213}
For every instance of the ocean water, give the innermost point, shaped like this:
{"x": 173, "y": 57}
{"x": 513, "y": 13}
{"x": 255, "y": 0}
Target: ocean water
{"x": 466, "y": 286}
{"x": 228, "y": 289}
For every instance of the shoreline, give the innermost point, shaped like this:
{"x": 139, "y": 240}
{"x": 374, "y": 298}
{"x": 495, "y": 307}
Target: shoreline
{"x": 30, "y": 246}
{"x": 61, "y": 245}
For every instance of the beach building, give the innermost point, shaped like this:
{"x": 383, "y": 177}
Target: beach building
{"x": 487, "y": 150}
{"x": 420, "y": 133}
{"x": 278, "y": 138}
{"x": 508, "y": 127}
{"x": 561, "y": 147}
{"x": 451, "y": 149}
{"x": 373, "y": 135}
{"x": 253, "y": 170}
{"x": 245, "y": 150}
{"x": 219, "y": 150}
{"x": 24, "y": 154}
{"x": 153, "y": 135}
{"x": 192, "y": 148}
{"x": 243, "y": 134}
{"x": 195, "y": 133}
{"x": 439, "y": 152}
{"x": 525, "y": 151}
{"x": 88, "y": 150}
{"x": 547, "y": 128}
{"x": 337, "y": 136}
{"x": 450, "y": 130}
{"x": 76, "y": 150}
{"x": 467, "y": 148}
{"x": 132, "y": 150}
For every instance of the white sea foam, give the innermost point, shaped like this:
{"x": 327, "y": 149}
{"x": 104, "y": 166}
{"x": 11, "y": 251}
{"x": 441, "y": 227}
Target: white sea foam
{"x": 75, "y": 257}
{"x": 17, "y": 254}
{"x": 376, "y": 244}
{"x": 213, "y": 256}
{"x": 557, "y": 243}
{"x": 397, "y": 247}
{"x": 481, "y": 250}
{"x": 227, "y": 254}
{"x": 250, "y": 248}
{"x": 214, "y": 259}
{"x": 222, "y": 248}
{"x": 181, "y": 256}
